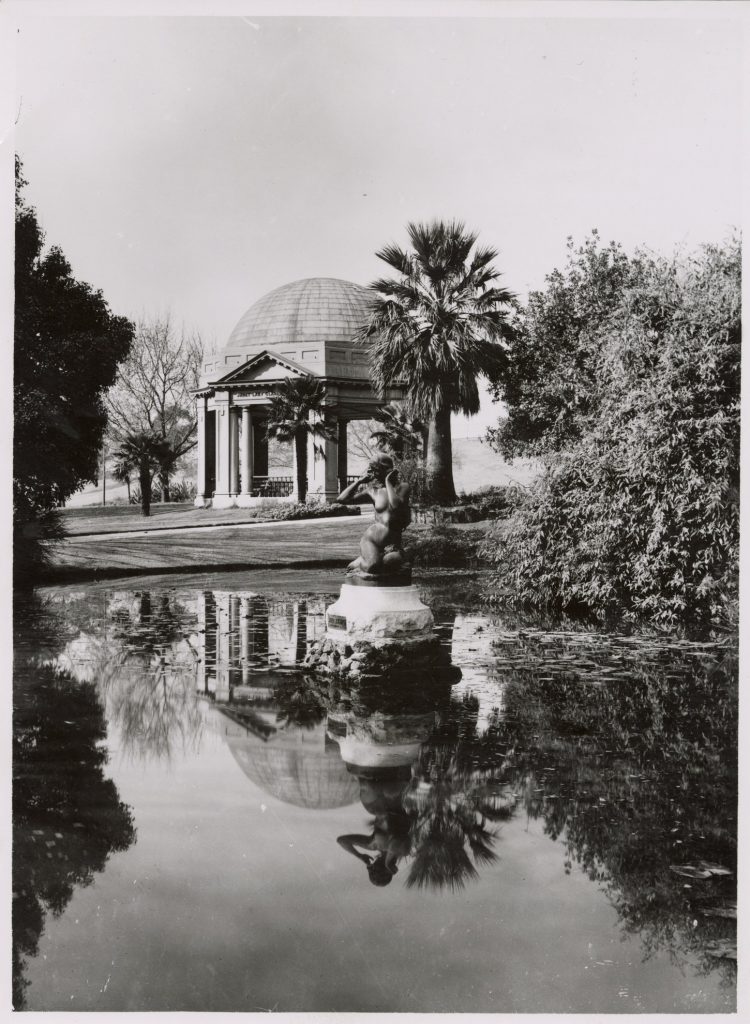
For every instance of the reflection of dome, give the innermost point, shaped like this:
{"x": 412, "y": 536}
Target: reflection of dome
{"x": 315, "y": 309}
{"x": 294, "y": 766}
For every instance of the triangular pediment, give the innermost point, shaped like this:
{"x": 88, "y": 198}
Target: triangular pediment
{"x": 262, "y": 367}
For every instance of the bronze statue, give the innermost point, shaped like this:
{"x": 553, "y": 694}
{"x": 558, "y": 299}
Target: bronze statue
{"x": 380, "y": 547}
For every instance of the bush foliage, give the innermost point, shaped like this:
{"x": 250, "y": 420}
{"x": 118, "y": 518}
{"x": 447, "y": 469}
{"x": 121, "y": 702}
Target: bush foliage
{"x": 299, "y": 510}
{"x": 444, "y": 546}
{"x": 628, "y": 382}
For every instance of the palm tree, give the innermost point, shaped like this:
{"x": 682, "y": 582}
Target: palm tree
{"x": 399, "y": 433}
{"x": 142, "y": 452}
{"x": 435, "y": 329}
{"x": 290, "y": 419}
{"x": 122, "y": 471}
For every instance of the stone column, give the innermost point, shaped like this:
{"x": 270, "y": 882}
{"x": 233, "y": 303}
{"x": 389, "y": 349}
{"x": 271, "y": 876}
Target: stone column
{"x": 246, "y": 459}
{"x": 201, "y": 498}
{"x": 343, "y": 461}
{"x": 200, "y": 642}
{"x": 223, "y": 660}
{"x": 322, "y": 467}
{"x": 245, "y": 639}
{"x": 234, "y": 451}
{"x": 222, "y": 493}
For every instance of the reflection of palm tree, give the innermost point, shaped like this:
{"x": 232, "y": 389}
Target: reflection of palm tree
{"x": 451, "y": 807}
{"x": 443, "y": 802}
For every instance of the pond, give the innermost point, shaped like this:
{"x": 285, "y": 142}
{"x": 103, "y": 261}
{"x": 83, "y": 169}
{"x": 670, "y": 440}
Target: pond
{"x": 199, "y": 825}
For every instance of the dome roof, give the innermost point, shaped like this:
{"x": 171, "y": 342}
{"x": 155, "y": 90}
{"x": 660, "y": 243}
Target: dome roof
{"x": 315, "y": 309}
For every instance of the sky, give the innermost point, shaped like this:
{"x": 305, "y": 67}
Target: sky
{"x": 192, "y": 164}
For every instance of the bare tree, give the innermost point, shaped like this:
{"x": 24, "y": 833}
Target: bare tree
{"x": 152, "y": 392}
{"x": 360, "y": 441}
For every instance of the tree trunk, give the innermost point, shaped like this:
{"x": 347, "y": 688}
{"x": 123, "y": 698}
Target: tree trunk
{"x": 425, "y": 432}
{"x": 164, "y": 482}
{"x": 300, "y": 447}
{"x": 144, "y": 474}
{"x": 127, "y": 484}
{"x": 439, "y": 462}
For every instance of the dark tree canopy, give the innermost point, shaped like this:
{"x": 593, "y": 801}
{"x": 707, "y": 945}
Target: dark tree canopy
{"x": 67, "y": 348}
{"x": 62, "y": 802}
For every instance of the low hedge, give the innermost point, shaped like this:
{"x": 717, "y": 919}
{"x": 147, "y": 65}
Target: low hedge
{"x": 297, "y": 510}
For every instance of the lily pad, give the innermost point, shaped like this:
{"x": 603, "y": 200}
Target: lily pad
{"x": 690, "y": 871}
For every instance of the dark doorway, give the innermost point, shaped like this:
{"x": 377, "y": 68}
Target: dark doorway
{"x": 210, "y": 452}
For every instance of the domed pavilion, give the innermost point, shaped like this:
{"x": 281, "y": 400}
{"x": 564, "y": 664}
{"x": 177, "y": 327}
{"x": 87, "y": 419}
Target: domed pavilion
{"x": 303, "y": 329}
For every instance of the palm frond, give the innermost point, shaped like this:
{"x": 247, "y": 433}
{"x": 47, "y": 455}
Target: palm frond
{"x": 442, "y": 324}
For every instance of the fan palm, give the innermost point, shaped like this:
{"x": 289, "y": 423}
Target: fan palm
{"x": 290, "y": 419}
{"x": 435, "y": 329}
{"x": 142, "y": 452}
{"x": 399, "y": 433}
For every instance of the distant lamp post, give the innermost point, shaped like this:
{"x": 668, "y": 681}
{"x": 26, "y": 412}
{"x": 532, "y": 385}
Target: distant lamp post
{"x": 104, "y": 475}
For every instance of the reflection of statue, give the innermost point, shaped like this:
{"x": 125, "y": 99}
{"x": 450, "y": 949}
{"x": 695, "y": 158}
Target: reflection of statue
{"x": 380, "y": 547}
{"x": 391, "y": 827}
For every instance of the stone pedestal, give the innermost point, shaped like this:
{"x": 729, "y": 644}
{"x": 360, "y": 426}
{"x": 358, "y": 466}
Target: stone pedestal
{"x": 380, "y": 630}
{"x": 378, "y": 613}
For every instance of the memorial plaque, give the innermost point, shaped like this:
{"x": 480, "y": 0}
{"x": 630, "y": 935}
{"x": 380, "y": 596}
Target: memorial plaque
{"x": 337, "y": 622}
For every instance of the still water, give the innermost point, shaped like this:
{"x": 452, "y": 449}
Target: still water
{"x": 201, "y": 826}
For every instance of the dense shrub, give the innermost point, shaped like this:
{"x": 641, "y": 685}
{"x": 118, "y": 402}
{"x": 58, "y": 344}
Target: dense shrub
{"x": 136, "y": 496}
{"x": 493, "y": 502}
{"x": 182, "y": 490}
{"x": 444, "y": 547}
{"x": 297, "y": 510}
{"x": 639, "y": 512}
{"x": 413, "y": 472}
{"x": 31, "y": 545}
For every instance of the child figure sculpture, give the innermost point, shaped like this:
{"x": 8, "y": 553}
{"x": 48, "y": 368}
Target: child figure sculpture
{"x": 380, "y": 547}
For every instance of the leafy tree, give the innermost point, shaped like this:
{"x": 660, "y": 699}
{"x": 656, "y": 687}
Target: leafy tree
{"x": 436, "y": 328}
{"x": 145, "y": 453}
{"x": 153, "y": 392}
{"x": 296, "y": 413}
{"x": 638, "y": 510}
{"x": 552, "y": 379}
{"x": 67, "y": 349}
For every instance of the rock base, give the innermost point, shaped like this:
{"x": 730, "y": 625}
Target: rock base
{"x": 419, "y": 661}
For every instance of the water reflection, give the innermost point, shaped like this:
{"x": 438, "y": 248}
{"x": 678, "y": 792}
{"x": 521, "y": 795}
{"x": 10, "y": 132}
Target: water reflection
{"x": 625, "y": 749}
{"x": 628, "y": 752}
{"x": 143, "y": 664}
{"x": 67, "y": 816}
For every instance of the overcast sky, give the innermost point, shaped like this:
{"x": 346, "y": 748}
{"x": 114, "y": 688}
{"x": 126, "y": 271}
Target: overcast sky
{"x": 194, "y": 164}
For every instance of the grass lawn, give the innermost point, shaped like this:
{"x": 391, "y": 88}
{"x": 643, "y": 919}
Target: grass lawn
{"x": 126, "y": 518}
{"x": 304, "y": 543}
